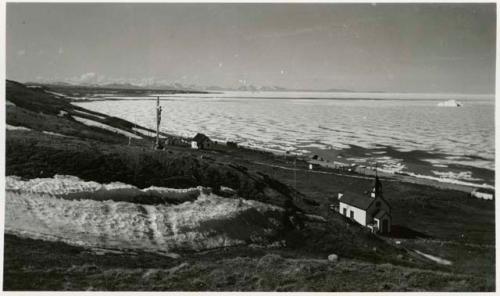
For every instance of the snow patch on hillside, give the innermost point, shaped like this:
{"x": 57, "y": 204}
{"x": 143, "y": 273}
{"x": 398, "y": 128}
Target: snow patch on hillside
{"x": 89, "y": 114}
{"x": 17, "y": 128}
{"x": 71, "y": 187}
{"x": 62, "y": 113}
{"x": 55, "y": 134}
{"x": 57, "y": 94}
{"x": 34, "y": 210}
{"x": 105, "y": 126}
{"x": 434, "y": 258}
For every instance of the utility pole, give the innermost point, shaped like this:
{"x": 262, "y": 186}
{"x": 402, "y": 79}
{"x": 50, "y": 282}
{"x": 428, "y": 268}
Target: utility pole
{"x": 158, "y": 120}
{"x": 294, "y": 174}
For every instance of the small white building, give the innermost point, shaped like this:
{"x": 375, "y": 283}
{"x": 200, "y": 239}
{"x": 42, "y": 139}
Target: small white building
{"x": 371, "y": 211}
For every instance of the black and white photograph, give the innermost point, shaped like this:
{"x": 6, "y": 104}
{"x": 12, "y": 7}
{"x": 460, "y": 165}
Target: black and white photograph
{"x": 249, "y": 147}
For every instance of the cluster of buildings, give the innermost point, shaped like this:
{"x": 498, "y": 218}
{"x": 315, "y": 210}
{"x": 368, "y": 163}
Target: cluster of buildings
{"x": 201, "y": 141}
{"x": 371, "y": 211}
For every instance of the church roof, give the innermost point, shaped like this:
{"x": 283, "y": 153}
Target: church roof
{"x": 363, "y": 201}
{"x": 357, "y": 200}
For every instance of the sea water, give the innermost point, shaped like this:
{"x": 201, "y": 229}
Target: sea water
{"x": 402, "y": 133}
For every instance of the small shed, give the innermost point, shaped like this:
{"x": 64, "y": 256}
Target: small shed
{"x": 232, "y": 144}
{"x": 201, "y": 141}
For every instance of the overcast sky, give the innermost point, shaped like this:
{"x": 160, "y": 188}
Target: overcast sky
{"x": 364, "y": 47}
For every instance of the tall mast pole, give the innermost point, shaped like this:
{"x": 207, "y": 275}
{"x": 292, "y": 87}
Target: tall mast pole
{"x": 158, "y": 120}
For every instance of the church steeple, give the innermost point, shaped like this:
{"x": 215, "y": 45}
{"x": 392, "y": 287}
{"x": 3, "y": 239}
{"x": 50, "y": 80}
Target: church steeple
{"x": 377, "y": 186}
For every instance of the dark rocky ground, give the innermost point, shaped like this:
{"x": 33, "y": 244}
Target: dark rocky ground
{"x": 38, "y": 265}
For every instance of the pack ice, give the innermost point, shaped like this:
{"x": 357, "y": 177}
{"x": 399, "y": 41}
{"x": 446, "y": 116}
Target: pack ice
{"x": 90, "y": 214}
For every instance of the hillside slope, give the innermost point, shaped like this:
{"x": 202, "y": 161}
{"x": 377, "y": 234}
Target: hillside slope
{"x": 41, "y": 110}
{"x": 34, "y": 154}
{"x": 97, "y": 154}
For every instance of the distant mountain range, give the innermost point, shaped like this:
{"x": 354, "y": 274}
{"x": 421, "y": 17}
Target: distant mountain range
{"x": 179, "y": 86}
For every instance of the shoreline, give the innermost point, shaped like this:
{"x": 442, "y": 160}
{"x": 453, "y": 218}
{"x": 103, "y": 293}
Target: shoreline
{"x": 368, "y": 172}
{"x": 418, "y": 159}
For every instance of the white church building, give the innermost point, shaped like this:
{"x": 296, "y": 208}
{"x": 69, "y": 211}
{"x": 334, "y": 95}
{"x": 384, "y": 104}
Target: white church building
{"x": 371, "y": 211}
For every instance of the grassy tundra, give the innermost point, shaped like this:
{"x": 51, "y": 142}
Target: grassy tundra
{"x": 444, "y": 223}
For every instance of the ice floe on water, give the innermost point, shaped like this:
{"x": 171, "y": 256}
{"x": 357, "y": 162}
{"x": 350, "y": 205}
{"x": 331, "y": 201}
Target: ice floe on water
{"x": 467, "y": 176}
{"x": 314, "y": 145}
{"x": 436, "y": 162}
{"x": 450, "y": 103}
{"x": 451, "y": 181}
{"x": 278, "y": 123}
{"x": 35, "y": 209}
{"x": 383, "y": 163}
